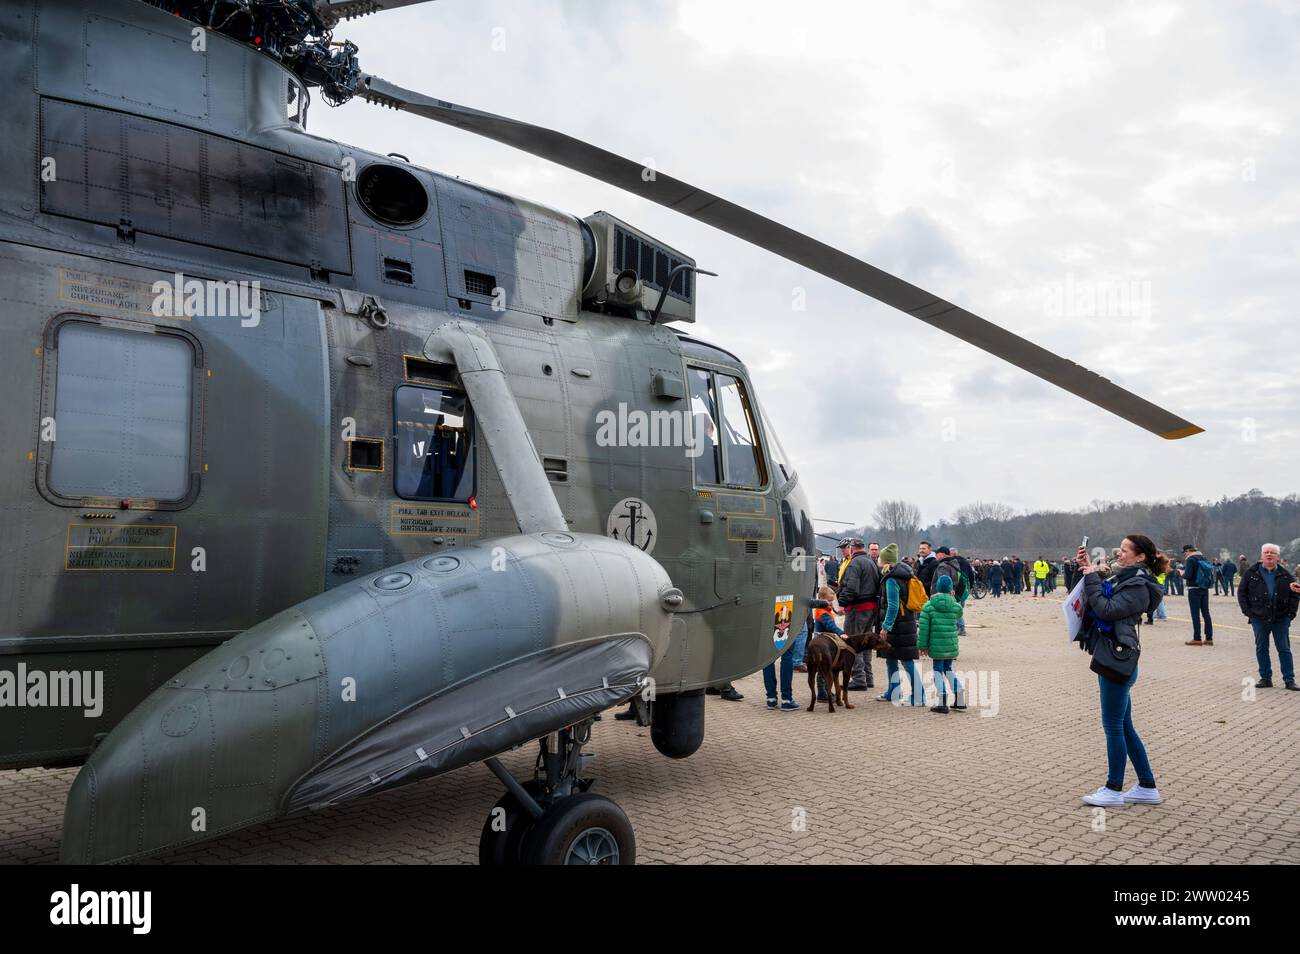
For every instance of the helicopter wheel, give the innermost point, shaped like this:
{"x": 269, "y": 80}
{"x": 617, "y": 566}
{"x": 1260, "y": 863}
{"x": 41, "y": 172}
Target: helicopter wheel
{"x": 501, "y": 841}
{"x": 587, "y": 829}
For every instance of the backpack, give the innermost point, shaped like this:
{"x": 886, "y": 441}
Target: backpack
{"x": 916, "y": 598}
{"x": 1204, "y": 573}
{"x": 955, "y": 574}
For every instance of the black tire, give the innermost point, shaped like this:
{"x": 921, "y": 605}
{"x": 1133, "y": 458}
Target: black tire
{"x": 979, "y": 590}
{"x": 581, "y": 829}
{"x": 505, "y": 848}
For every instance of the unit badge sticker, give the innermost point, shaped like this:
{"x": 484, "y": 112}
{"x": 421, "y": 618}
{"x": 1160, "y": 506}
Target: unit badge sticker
{"x": 633, "y": 522}
{"x": 781, "y": 615}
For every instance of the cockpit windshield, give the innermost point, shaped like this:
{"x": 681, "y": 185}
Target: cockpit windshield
{"x": 780, "y": 460}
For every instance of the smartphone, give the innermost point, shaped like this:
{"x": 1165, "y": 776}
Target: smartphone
{"x": 1084, "y": 545}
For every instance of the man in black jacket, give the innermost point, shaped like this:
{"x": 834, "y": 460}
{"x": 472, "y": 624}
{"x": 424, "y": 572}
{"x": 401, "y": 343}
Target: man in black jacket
{"x": 859, "y": 595}
{"x": 1267, "y": 598}
{"x": 926, "y": 561}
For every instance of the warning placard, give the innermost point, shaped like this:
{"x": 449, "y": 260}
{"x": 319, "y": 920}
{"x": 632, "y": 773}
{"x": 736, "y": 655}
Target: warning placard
{"x": 443, "y": 520}
{"x": 139, "y": 547}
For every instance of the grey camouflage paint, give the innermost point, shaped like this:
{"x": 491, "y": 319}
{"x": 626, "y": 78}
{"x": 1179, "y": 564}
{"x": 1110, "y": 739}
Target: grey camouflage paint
{"x": 169, "y": 170}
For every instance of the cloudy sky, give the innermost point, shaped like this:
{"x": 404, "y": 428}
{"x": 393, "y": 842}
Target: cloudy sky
{"x": 1118, "y": 182}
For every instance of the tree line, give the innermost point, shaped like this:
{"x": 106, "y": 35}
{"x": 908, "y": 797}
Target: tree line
{"x": 1231, "y": 525}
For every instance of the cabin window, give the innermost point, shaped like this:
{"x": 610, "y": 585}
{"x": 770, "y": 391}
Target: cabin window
{"x": 122, "y": 410}
{"x": 725, "y": 426}
{"x": 435, "y": 444}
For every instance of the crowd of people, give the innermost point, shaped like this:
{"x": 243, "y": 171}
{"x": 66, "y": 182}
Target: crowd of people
{"x": 918, "y": 604}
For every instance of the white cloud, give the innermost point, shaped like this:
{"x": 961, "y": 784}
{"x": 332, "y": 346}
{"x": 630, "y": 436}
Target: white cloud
{"x": 984, "y": 150}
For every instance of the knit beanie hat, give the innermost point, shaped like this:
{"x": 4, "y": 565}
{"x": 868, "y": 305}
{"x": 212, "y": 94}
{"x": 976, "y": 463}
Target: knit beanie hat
{"x": 944, "y": 585}
{"x": 890, "y": 554}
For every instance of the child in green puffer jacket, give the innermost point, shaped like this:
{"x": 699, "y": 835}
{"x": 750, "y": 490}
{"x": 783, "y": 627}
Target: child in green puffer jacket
{"x": 936, "y": 637}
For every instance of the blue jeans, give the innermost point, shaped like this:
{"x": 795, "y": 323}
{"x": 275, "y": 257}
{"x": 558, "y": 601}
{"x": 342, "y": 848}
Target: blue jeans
{"x": 800, "y": 644}
{"x": 1040, "y": 585}
{"x": 944, "y": 678}
{"x": 894, "y": 691}
{"x": 1161, "y": 612}
{"x": 787, "y": 676}
{"x": 1122, "y": 742}
{"x": 1198, "y": 599}
{"x": 1280, "y": 631}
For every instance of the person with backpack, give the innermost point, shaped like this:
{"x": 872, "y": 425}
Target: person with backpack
{"x": 859, "y": 595}
{"x": 904, "y": 598}
{"x": 1110, "y": 635}
{"x": 1198, "y": 572}
{"x": 937, "y": 638}
{"x": 1268, "y": 597}
{"x": 950, "y": 566}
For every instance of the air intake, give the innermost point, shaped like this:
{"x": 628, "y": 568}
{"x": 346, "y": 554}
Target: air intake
{"x": 629, "y": 268}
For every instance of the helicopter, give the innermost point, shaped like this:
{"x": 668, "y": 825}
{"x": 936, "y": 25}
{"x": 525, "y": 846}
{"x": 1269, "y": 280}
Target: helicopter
{"x": 341, "y": 473}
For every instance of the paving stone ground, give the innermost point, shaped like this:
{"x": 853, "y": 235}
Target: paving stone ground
{"x": 877, "y": 784}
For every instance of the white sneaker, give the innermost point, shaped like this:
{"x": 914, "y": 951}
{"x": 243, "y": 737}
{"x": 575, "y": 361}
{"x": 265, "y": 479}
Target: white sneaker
{"x": 1143, "y": 795}
{"x": 1105, "y": 798}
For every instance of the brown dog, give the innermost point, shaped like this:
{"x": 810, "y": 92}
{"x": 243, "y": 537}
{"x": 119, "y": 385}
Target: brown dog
{"x": 826, "y": 659}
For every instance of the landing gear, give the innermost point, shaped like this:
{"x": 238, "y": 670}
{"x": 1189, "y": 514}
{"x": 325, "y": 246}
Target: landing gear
{"x": 552, "y": 819}
{"x": 585, "y": 829}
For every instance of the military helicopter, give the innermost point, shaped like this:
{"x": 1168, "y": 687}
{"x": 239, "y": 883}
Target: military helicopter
{"x": 343, "y": 473}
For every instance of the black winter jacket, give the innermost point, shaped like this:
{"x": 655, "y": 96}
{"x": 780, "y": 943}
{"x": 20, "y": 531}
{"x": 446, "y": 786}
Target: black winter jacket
{"x": 902, "y": 635}
{"x": 924, "y": 570}
{"x": 1135, "y": 593}
{"x": 1252, "y": 596}
{"x": 860, "y": 581}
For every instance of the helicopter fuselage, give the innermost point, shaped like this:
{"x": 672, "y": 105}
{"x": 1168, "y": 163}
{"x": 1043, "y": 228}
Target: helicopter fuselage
{"x": 182, "y": 262}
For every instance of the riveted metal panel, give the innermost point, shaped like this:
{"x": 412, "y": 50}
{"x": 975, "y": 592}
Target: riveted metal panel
{"x": 532, "y": 253}
{"x": 168, "y": 180}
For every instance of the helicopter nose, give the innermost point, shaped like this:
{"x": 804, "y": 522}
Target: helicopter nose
{"x": 212, "y": 750}
{"x": 383, "y": 680}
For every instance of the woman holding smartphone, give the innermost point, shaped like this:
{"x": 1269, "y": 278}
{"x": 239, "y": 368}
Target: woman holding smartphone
{"x": 1115, "y": 610}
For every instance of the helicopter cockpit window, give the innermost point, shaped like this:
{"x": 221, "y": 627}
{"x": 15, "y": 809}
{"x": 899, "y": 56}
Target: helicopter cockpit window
{"x": 704, "y": 412}
{"x": 783, "y": 468}
{"x": 435, "y": 444}
{"x": 724, "y": 423}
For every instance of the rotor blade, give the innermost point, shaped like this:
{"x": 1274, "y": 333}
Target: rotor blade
{"x": 799, "y": 248}
{"x": 332, "y": 11}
